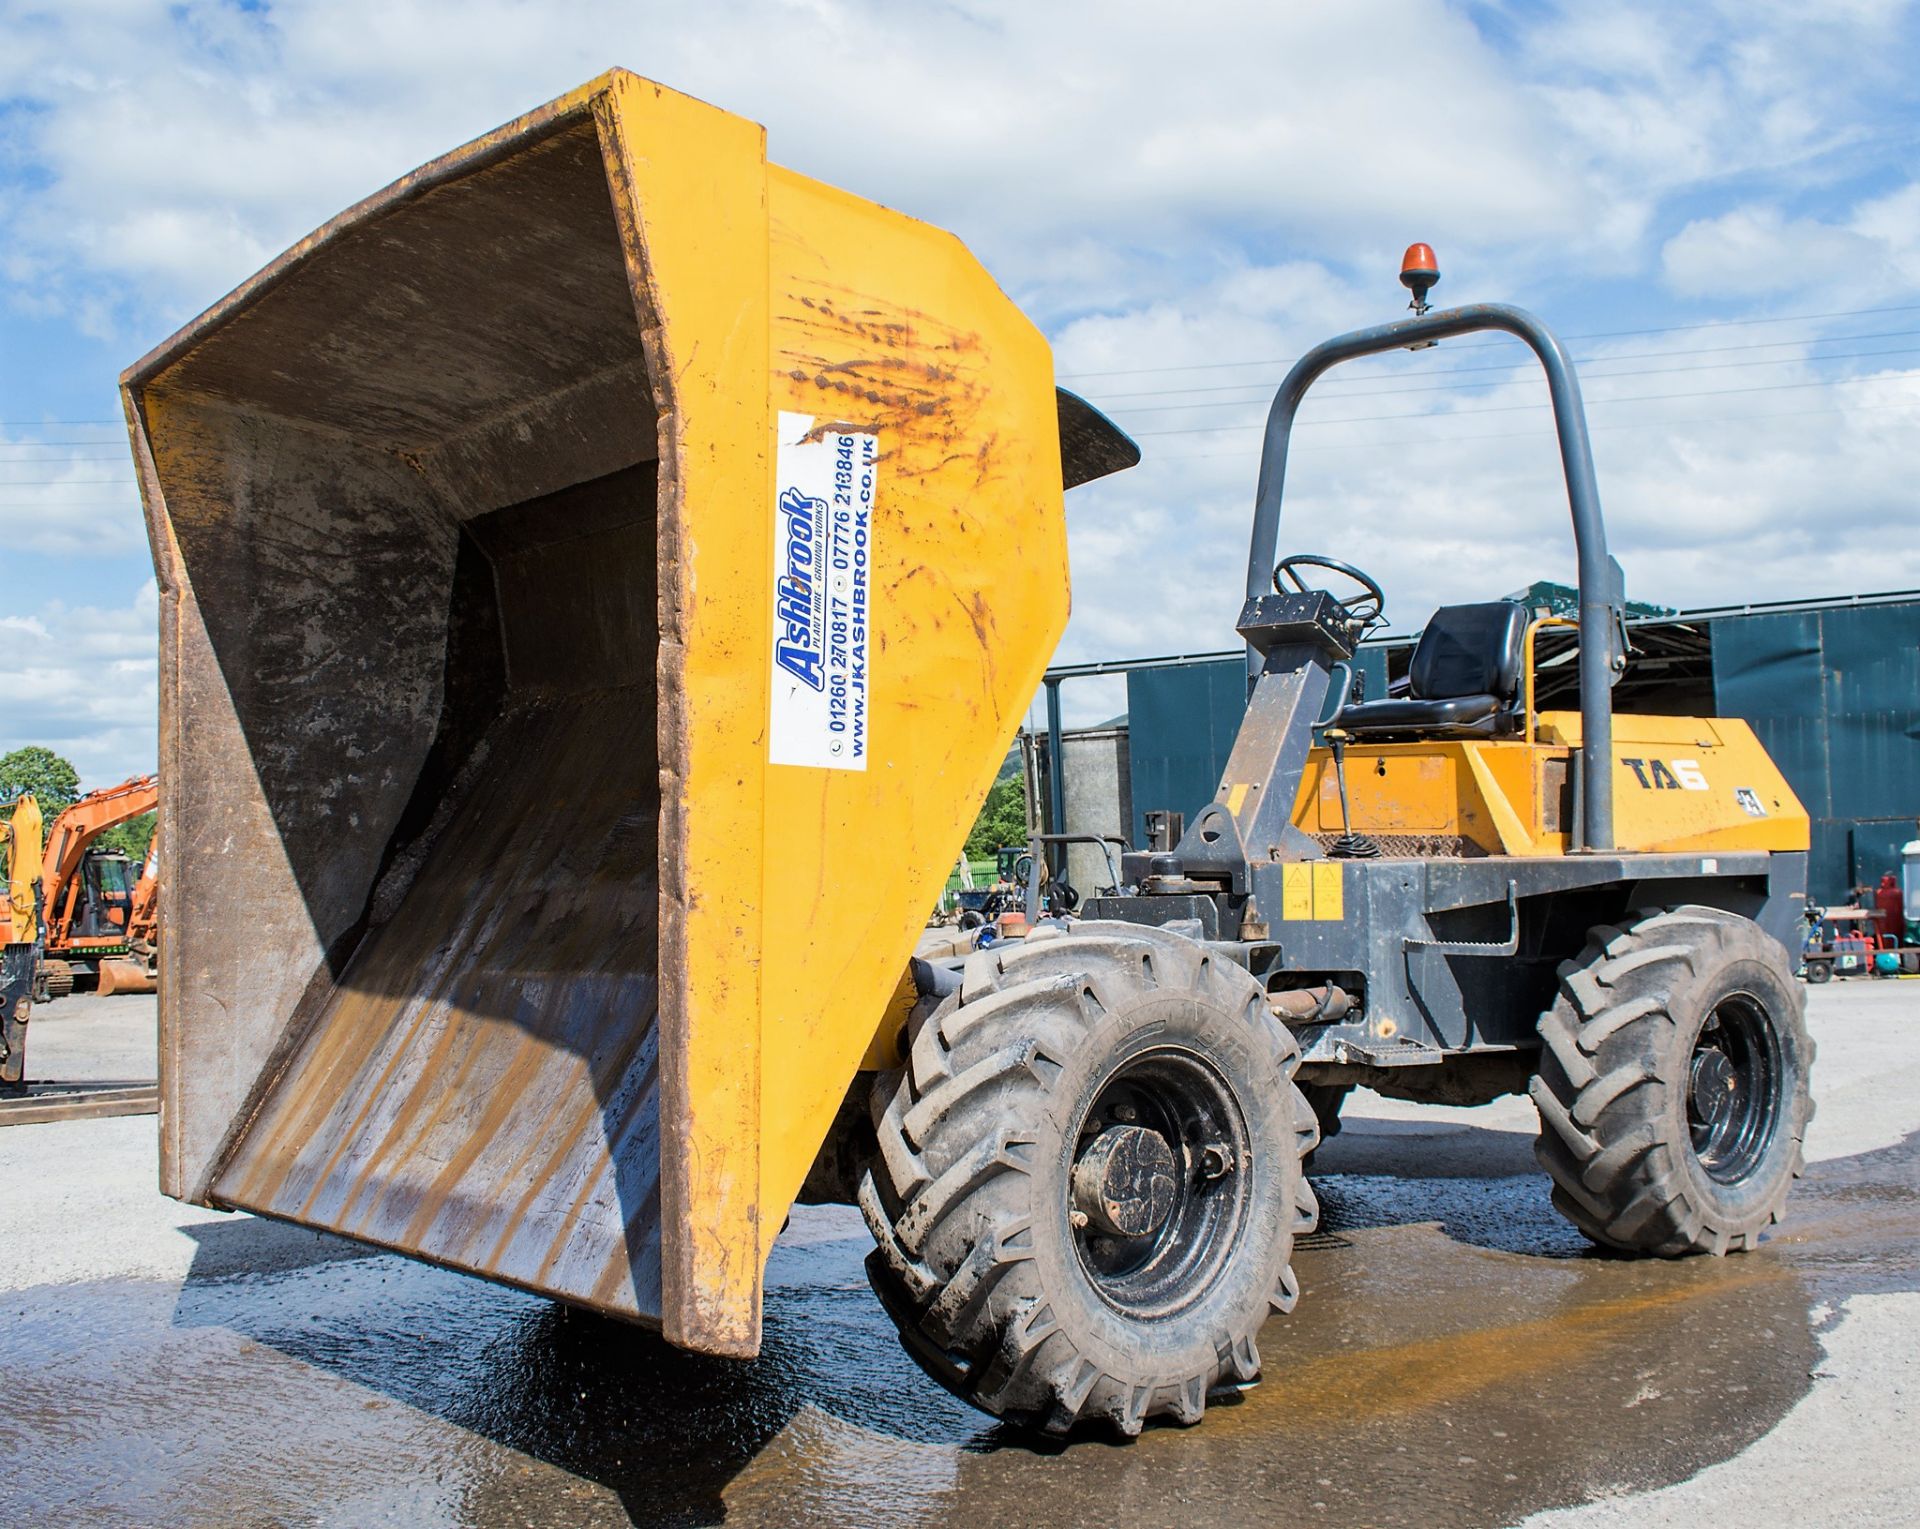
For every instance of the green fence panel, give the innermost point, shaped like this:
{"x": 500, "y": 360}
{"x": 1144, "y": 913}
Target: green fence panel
{"x": 1872, "y": 658}
{"x": 1832, "y": 693}
{"x": 1181, "y": 724}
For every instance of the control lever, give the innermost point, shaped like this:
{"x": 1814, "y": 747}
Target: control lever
{"x": 1350, "y": 845}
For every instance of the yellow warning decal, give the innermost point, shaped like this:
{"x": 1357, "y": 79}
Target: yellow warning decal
{"x": 1312, "y": 890}
{"x": 1296, "y": 891}
{"x": 1236, "y": 799}
{"x": 1328, "y": 898}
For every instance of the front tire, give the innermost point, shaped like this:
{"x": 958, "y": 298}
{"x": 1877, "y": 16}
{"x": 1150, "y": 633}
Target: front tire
{"x": 1673, "y": 1084}
{"x": 1325, "y": 1100}
{"x": 1089, "y": 1180}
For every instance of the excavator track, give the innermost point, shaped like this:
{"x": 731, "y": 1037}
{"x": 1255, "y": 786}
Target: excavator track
{"x": 56, "y": 981}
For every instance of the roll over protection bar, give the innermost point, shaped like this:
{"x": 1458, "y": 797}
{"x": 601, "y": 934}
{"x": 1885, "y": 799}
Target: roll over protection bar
{"x": 1602, "y": 598}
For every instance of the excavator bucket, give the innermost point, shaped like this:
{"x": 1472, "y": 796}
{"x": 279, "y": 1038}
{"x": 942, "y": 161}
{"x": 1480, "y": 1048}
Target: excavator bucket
{"x": 119, "y": 974}
{"x": 580, "y": 563}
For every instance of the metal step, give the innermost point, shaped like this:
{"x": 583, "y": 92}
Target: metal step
{"x": 1389, "y": 1054}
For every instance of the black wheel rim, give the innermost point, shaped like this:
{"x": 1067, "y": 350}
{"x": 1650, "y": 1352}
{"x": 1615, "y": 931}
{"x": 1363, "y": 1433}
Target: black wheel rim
{"x": 1180, "y": 1098}
{"x": 1733, "y": 1088}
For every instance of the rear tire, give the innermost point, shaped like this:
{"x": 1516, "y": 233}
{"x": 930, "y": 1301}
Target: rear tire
{"x": 1672, "y": 1089}
{"x": 1113, "y": 1045}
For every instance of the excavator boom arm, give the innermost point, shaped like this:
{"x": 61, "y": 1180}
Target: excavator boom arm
{"x": 74, "y": 831}
{"x": 77, "y": 827}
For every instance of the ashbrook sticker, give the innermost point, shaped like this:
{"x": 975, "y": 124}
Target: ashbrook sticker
{"x": 822, "y": 558}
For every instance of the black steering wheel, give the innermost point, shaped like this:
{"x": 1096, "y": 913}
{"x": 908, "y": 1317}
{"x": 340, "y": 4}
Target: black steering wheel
{"x": 1364, "y": 610}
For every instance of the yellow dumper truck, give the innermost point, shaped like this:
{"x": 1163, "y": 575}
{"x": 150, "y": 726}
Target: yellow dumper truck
{"x": 580, "y": 555}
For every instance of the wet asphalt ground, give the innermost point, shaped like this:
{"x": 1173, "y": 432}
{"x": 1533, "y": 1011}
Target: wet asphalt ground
{"x": 1459, "y": 1356}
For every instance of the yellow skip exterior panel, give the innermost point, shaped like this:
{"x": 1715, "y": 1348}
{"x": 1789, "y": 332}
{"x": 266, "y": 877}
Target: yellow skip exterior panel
{"x": 883, "y": 326}
{"x": 865, "y": 323}
{"x": 786, "y": 311}
{"x": 610, "y": 326}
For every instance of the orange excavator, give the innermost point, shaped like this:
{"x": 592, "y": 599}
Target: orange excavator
{"x": 93, "y": 898}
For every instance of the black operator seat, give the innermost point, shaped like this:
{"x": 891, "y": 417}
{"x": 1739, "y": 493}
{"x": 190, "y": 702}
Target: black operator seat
{"x": 1464, "y": 679}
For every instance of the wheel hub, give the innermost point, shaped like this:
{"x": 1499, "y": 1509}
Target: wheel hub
{"x": 1158, "y": 1187}
{"x": 1734, "y": 1089}
{"x": 1124, "y": 1181}
{"x": 1714, "y": 1083}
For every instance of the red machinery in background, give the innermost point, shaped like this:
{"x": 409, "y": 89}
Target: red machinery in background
{"x": 1892, "y": 906}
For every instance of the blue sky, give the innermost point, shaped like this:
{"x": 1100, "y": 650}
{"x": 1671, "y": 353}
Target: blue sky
{"x": 1718, "y": 201}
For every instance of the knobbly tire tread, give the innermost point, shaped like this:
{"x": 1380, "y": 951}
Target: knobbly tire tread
{"x": 1613, "y": 1132}
{"x": 949, "y": 1195}
{"x": 1325, "y": 1100}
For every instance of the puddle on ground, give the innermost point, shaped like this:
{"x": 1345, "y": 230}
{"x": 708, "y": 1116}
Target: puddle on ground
{"x": 1459, "y": 1357}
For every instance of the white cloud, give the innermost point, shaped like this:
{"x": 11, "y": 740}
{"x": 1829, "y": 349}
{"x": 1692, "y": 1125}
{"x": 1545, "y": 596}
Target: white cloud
{"x": 1757, "y": 251}
{"x": 1864, "y": 253}
{"x": 1667, "y": 96}
{"x": 182, "y": 146}
{"x": 62, "y": 495}
{"x": 83, "y": 681}
{"x": 1164, "y": 189}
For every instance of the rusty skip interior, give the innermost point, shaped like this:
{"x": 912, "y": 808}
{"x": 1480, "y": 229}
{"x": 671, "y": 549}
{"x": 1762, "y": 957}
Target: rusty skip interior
{"x": 410, "y": 543}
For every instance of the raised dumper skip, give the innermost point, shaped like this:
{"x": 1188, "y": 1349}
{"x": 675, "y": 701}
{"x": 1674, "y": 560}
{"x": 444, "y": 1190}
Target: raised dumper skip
{"x": 583, "y": 553}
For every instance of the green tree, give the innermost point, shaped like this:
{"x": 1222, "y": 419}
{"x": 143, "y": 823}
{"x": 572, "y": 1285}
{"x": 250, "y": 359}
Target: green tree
{"x": 130, "y": 838}
{"x": 1002, "y": 820}
{"x": 54, "y": 782}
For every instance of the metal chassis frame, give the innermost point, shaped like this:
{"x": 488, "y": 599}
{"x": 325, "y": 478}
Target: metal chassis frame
{"x": 1418, "y": 931}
